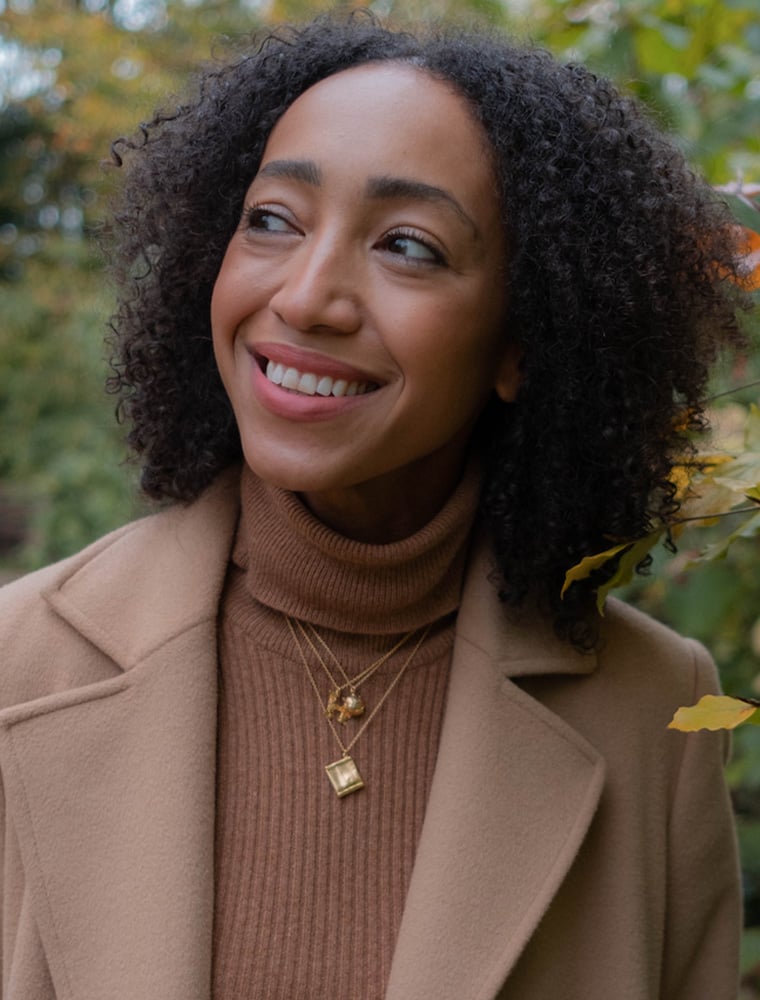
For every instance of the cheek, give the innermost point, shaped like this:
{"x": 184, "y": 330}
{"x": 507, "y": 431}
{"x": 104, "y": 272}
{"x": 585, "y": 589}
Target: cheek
{"x": 456, "y": 354}
{"x": 225, "y": 319}
{"x": 225, "y": 294}
{"x": 243, "y": 288}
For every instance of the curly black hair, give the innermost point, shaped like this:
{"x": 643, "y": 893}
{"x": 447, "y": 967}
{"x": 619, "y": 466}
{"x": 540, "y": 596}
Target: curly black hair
{"x": 620, "y": 287}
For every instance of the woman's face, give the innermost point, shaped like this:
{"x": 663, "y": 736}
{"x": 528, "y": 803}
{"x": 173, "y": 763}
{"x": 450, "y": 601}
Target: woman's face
{"x": 358, "y": 313}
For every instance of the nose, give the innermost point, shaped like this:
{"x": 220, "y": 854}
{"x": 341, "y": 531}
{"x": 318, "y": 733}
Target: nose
{"x": 319, "y": 288}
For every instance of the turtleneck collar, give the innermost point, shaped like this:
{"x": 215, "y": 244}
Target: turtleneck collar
{"x": 308, "y": 571}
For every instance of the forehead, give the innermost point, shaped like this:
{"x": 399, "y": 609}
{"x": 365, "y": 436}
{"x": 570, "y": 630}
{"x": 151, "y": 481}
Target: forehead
{"x": 387, "y": 117}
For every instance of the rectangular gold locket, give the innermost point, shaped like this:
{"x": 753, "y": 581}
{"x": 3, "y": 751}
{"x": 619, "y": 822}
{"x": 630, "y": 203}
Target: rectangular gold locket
{"x": 344, "y": 776}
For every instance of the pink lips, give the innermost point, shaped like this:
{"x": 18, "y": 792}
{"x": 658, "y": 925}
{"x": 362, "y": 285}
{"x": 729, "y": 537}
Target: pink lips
{"x": 295, "y": 405}
{"x": 308, "y": 361}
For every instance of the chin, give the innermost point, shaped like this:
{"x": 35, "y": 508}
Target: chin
{"x": 294, "y": 475}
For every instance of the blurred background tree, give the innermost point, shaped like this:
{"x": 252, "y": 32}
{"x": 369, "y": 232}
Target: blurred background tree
{"x": 74, "y": 75}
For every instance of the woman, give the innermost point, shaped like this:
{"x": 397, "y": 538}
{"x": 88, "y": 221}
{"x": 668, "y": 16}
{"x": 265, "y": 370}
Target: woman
{"x": 450, "y": 307}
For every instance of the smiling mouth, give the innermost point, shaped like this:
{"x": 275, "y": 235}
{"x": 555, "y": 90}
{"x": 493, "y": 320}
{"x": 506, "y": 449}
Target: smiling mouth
{"x": 309, "y": 384}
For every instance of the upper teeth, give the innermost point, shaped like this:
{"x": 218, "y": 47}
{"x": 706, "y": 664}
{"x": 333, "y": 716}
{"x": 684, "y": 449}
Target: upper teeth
{"x": 310, "y": 384}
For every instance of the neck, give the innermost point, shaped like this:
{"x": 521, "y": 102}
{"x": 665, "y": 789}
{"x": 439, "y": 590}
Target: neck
{"x": 385, "y": 510}
{"x": 299, "y": 566}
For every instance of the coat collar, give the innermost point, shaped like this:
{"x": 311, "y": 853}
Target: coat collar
{"x": 124, "y": 906}
{"x": 520, "y": 643}
{"x": 168, "y": 570}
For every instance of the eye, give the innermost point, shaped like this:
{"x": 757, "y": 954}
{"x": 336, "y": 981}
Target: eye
{"x": 265, "y": 220}
{"x": 412, "y": 246}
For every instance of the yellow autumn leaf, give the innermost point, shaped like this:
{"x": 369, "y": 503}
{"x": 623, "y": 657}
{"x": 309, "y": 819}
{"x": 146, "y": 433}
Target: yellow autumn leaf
{"x": 633, "y": 553}
{"x": 697, "y": 468}
{"x": 684, "y": 419}
{"x": 714, "y": 712}
{"x": 681, "y": 477}
{"x": 710, "y": 462}
{"x": 588, "y": 564}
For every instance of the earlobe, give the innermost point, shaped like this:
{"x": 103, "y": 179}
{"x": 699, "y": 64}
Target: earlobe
{"x": 509, "y": 373}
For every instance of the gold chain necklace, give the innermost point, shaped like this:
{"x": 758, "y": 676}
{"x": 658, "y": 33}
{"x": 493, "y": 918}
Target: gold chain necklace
{"x": 350, "y": 704}
{"x": 344, "y": 774}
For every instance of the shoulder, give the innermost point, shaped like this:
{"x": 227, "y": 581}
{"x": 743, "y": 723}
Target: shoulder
{"x": 623, "y": 695}
{"x": 643, "y": 672}
{"x": 631, "y": 641}
{"x": 27, "y": 594}
{"x": 41, "y": 652}
{"x": 147, "y": 539}
{"x": 102, "y": 609}
{"x": 635, "y": 655}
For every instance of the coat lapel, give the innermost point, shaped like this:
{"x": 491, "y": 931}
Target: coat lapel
{"x": 514, "y": 791}
{"x": 110, "y": 784}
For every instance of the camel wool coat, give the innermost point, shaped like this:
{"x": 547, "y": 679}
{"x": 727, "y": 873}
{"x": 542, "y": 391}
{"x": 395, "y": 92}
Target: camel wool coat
{"x": 573, "y": 848}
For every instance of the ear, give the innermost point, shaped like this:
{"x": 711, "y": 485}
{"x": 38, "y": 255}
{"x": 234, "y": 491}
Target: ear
{"x": 508, "y": 374}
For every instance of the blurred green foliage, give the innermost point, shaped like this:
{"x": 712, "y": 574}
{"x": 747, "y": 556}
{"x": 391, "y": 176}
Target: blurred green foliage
{"x": 73, "y": 75}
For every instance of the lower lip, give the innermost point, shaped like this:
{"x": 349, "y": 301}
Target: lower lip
{"x": 298, "y": 406}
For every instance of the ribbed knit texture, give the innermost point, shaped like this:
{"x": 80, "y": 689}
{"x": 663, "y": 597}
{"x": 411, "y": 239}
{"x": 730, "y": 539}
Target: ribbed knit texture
{"x": 310, "y": 888}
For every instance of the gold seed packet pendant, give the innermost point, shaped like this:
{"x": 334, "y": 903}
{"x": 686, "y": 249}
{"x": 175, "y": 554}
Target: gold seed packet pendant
{"x": 346, "y": 707}
{"x": 344, "y": 776}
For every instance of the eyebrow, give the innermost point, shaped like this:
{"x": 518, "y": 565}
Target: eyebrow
{"x": 293, "y": 170}
{"x": 382, "y": 188}
{"x": 401, "y": 187}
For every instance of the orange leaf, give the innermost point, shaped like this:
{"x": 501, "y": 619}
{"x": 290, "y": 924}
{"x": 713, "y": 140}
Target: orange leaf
{"x": 749, "y": 264}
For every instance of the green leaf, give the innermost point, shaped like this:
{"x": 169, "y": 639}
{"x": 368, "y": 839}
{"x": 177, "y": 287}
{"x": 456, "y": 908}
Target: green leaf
{"x": 748, "y": 529}
{"x": 750, "y": 5}
{"x": 752, "y": 429}
{"x": 743, "y": 212}
{"x": 742, "y": 474}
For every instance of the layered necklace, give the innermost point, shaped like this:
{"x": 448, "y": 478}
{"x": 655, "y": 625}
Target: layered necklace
{"x": 344, "y": 701}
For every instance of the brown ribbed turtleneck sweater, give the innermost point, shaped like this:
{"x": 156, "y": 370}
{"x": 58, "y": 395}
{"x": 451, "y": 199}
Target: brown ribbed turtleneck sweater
{"x": 309, "y": 887}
